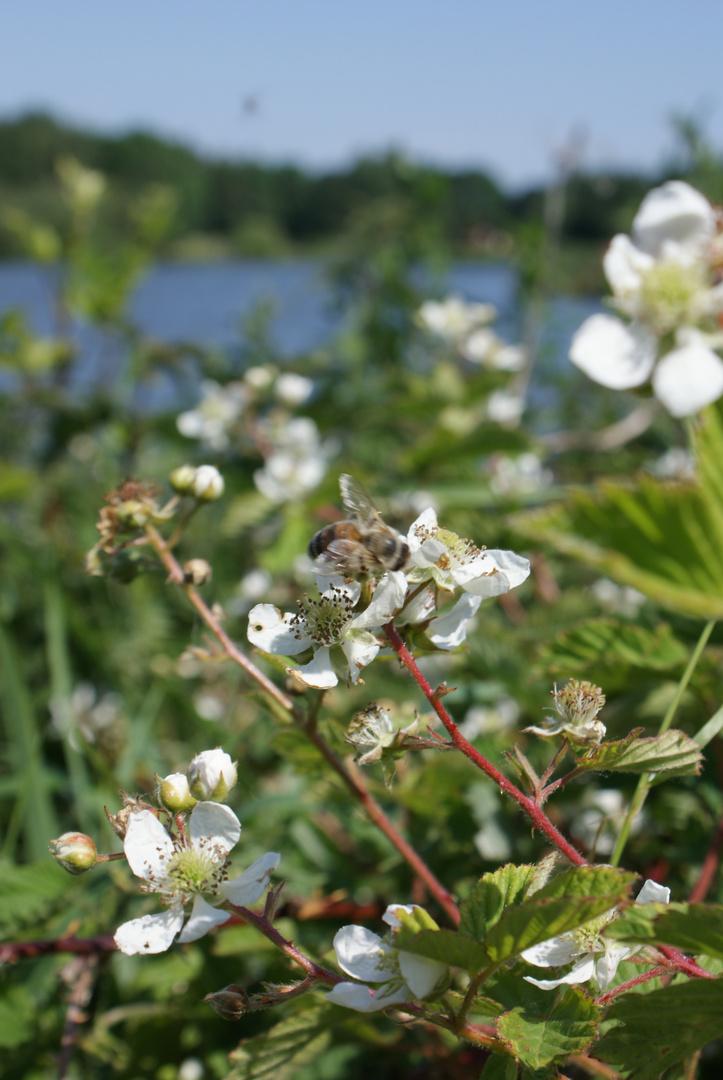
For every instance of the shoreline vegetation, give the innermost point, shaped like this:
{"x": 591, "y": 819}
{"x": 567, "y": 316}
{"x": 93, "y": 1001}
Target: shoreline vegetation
{"x": 223, "y": 209}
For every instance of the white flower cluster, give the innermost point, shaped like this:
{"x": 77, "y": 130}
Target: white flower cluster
{"x": 466, "y": 327}
{"x": 343, "y": 640}
{"x": 191, "y": 864}
{"x": 664, "y": 284}
{"x": 296, "y": 461}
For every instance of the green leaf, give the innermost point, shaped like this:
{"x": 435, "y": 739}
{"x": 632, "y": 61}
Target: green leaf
{"x": 499, "y": 1067}
{"x": 673, "y": 753}
{"x": 663, "y": 538}
{"x": 17, "y": 1016}
{"x": 568, "y": 901}
{"x": 692, "y": 928}
{"x": 659, "y": 1029}
{"x": 287, "y": 1047}
{"x": 447, "y": 946}
{"x": 605, "y": 649}
{"x": 569, "y": 1028}
{"x": 491, "y": 895}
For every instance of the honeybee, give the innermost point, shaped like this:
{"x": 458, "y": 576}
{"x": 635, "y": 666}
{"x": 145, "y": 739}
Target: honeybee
{"x": 363, "y": 545}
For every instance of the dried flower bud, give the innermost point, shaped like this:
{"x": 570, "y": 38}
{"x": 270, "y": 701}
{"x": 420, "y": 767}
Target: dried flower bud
{"x": 131, "y": 805}
{"x": 174, "y": 793}
{"x": 75, "y": 852}
{"x": 207, "y": 483}
{"x": 211, "y": 775}
{"x": 182, "y": 479}
{"x": 197, "y": 572}
{"x": 230, "y": 1003}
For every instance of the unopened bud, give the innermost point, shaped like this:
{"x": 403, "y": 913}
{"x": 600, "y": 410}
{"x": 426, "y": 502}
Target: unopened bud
{"x": 182, "y": 479}
{"x": 75, "y": 852}
{"x": 133, "y": 513}
{"x": 196, "y": 572}
{"x": 230, "y": 1003}
{"x": 211, "y": 775}
{"x": 174, "y": 793}
{"x": 207, "y": 483}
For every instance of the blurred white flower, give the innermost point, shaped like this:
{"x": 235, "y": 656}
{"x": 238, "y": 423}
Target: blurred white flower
{"x": 85, "y": 714}
{"x": 453, "y": 319}
{"x": 621, "y": 599}
{"x": 674, "y": 464}
{"x": 293, "y": 389}
{"x": 208, "y": 484}
{"x": 398, "y": 975}
{"x": 504, "y": 407}
{"x": 583, "y": 944}
{"x": 661, "y": 279}
{"x": 490, "y": 719}
{"x": 520, "y": 475}
{"x": 260, "y": 377}
{"x": 215, "y": 414}
{"x": 597, "y": 822}
{"x": 298, "y": 462}
{"x": 182, "y": 870}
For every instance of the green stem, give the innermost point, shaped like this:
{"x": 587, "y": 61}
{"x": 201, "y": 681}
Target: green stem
{"x": 641, "y": 791}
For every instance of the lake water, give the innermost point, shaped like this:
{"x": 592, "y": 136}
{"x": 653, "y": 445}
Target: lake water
{"x": 206, "y": 303}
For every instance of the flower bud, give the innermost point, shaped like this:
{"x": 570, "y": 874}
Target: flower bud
{"x": 75, "y": 852}
{"x": 182, "y": 479}
{"x": 230, "y": 1003}
{"x": 133, "y": 513}
{"x": 211, "y": 775}
{"x": 174, "y": 793}
{"x": 207, "y": 483}
{"x": 196, "y": 572}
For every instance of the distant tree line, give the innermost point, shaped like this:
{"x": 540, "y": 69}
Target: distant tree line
{"x": 281, "y": 207}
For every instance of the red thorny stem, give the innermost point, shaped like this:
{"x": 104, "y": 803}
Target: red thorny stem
{"x": 353, "y": 783}
{"x": 537, "y": 816}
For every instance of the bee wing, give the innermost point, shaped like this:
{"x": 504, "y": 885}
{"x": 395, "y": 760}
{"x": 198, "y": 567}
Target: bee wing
{"x": 356, "y": 498}
{"x": 335, "y": 558}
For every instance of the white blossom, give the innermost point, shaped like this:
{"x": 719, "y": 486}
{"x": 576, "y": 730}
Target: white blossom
{"x": 297, "y": 463}
{"x": 584, "y": 944}
{"x": 293, "y": 389}
{"x": 450, "y": 561}
{"x": 452, "y": 319}
{"x": 211, "y": 775}
{"x": 208, "y": 483}
{"x": 183, "y": 870}
{"x": 397, "y": 975}
{"x": 215, "y": 414}
{"x": 662, "y": 281}
{"x": 342, "y": 643}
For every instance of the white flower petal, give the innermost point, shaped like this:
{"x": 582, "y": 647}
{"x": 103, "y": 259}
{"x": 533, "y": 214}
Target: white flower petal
{"x": 385, "y": 603}
{"x": 688, "y": 378}
{"x": 318, "y": 672}
{"x": 674, "y": 221}
{"x": 614, "y": 355}
{"x": 147, "y": 845}
{"x": 606, "y": 967}
{"x": 390, "y": 915}
{"x": 624, "y": 265}
{"x": 424, "y": 525}
{"x": 250, "y": 886}
{"x": 363, "y": 955}
{"x": 203, "y": 918}
{"x": 652, "y": 893}
{"x": 150, "y": 933}
{"x": 364, "y": 998}
{"x": 581, "y": 972}
{"x": 360, "y": 648}
{"x": 553, "y": 951}
{"x": 450, "y": 630}
{"x": 516, "y": 568}
{"x": 272, "y": 632}
{"x": 215, "y": 823}
{"x": 421, "y": 975}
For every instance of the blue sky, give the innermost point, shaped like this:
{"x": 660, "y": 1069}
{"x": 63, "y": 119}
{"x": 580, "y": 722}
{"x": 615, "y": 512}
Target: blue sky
{"x": 501, "y": 85}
